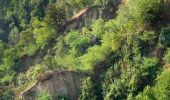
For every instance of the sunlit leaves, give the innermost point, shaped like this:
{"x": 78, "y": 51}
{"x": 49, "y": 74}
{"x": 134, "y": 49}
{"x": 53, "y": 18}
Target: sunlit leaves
{"x": 162, "y": 86}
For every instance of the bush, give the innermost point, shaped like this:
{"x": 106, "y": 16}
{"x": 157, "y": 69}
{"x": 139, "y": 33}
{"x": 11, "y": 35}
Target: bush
{"x": 165, "y": 35}
{"x": 98, "y": 28}
{"x": 43, "y": 95}
{"x": 149, "y": 68}
{"x": 167, "y": 57}
{"x": 55, "y": 15}
{"x": 27, "y": 43}
{"x": 95, "y": 55}
{"x": 162, "y": 86}
{"x": 78, "y": 4}
{"x": 87, "y": 90}
{"x": 8, "y": 94}
{"x": 70, "y": 48}
{"x": 35, "y": 72}
{"x": 147, "y": 94}
{"x": 43, "y": 35}
{"x": 78, "y": 41}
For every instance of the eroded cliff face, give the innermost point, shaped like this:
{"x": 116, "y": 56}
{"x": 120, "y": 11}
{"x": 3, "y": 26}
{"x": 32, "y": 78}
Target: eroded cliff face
{"x": 66, "y": 83}
{"x": 56, "y": 83}
{"x": 84, "y": 18}
{"x": 87, "y": 15}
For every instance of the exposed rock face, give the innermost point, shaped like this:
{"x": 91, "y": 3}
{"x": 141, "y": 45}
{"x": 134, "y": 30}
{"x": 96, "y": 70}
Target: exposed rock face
{"x": 86, "y": 16}
{"x": 56, "y": 83}
{"x": 66, "y": 83}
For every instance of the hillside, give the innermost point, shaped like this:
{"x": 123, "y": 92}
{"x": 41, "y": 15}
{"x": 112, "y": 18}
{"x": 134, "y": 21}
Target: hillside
{"x": 84, "y": 49}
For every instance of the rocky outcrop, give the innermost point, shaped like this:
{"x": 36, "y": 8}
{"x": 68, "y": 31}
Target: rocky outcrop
{"x": 66, "y": 83}
{"x": 56, "y": 83}
{"x": 86, "y": 16}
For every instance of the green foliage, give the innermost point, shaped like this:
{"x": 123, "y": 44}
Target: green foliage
{"x": 141, "y": 10}
{"x": 43, "y": 95}
{"x": 63, "y": 98}
{"x": 112, "y": 50}
{"x": 27, "y": 43}
{"x": 43, "y": 35}
{"x": 7, "y": 95}
{"x": 167, "y": 57}
{"x": 162, "y": 86}
{"x": 78, "y": 41}
{"x": 165, "y": 32}
{"x": 114, "y": 88}
{"x": 70, "y": 48}
{"x": 78, "y": 4}
{"x": 147, "y": 36}
{"x": 94, "y": 56}
{"x": 101, "y": 2}
{"x": 8, "y": 61}
{"x": 35, "y": 71}
{"x": 98, "y": 28}
{"x": 149, "y": 68}
{"x": 87, "y": 91}
{"x": 126, "y": 83}
{"x": 14, "y": 36}
{"x": 55, "y": 15}
{"x": 147, "y": 94}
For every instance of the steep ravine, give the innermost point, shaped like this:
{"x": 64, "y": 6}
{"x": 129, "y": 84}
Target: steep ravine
{"x": 67, "y": 83}
{"x": 64, "y": 83}
{"x": 82, "y": 19}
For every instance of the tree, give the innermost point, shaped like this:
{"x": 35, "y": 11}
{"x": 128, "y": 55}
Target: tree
{"x": 98, "y": 28}
{"x": 149, "y": 69}
{"x": 162, "y": 87}
{"x": 87, "y": 90}
{"x": 147, "y": 94}
{"x": 94, "y": 55}
{"x": 165, "y": 35}
{"x": 27, "y": 43}
{"x": 78, "y": 4}
{"x": 43, "y": 35}
{"x": 55, "y": 15}
{"x": 75, "y": 39}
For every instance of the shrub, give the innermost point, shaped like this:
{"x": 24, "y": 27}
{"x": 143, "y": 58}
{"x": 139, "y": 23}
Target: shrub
{"x": 43, "y": 95}
{"x": 87, "y": 90}
{"x": 98, "y": 28}
{"x": 55, "y": 15}
{"x": 95, "y": 54}
{"x": 43, "y": 35}
{"x": 167, "y": 57}
{"x": 165, "y": 32}
{"x": 162, "y": 86}
{"x": 27, "y": 43}
{"x": 147, "y": 94}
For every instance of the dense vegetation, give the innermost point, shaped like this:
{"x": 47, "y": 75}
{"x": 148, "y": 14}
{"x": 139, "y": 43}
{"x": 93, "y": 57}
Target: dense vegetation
{"x": 132, "y": 50}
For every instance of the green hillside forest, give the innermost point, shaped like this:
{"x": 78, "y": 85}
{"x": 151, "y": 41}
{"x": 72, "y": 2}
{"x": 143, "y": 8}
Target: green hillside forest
{"x": 84, "y": 49}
